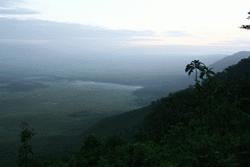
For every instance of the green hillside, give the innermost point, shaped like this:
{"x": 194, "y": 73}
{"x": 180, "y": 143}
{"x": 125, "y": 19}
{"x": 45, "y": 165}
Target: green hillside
{"x": 126, "y": 124}
{"x": 129, "y": 122}
{"x": 205, "y": 126}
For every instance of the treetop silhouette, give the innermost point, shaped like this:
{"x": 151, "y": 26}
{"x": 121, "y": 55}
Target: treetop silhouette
{"x": 246, "y": 26}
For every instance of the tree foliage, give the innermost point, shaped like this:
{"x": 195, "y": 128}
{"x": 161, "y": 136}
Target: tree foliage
{"x": 246, "y": 26}
{"x": 201, "y": 69}
{"x": 25, "y": 153}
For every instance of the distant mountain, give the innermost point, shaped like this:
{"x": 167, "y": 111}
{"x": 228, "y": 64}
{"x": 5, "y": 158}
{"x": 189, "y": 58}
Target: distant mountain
{"x": 230, "y": 60}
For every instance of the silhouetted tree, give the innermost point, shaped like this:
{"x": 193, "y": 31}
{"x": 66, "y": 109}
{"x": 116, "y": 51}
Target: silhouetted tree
{"x": 206, "y": 72}
{"x": 90, "y": 151}
{"x": 25, "y": 153}
{"x": 195, "y": 65}
{"x": 246, "y": 26}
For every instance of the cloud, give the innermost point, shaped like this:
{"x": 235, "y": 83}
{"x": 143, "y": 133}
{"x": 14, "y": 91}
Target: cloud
{"x": 7, "y": 3}
{"x": 16, "y": 11}
{"x": 240, "y": 42}
{"x": 176, "y": 33}
{"x": 48, "y": 30}
{"x": 65, "y": 36}
{"x": 13, "y": 8}
{"x": 25, "y": 42}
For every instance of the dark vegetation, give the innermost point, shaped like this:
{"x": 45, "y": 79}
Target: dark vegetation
{"x": 203, "y": 126}
{"x": 246, "y": 26}
{"x": 25, "y": 153}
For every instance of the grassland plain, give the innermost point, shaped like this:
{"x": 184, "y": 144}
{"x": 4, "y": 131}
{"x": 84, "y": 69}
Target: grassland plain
{"x": 59, "y": 110}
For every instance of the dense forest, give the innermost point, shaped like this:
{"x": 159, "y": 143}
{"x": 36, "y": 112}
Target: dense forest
{"x": 205, "y": 125}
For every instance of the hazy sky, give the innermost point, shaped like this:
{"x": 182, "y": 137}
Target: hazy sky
{"x": 172, "y": 22}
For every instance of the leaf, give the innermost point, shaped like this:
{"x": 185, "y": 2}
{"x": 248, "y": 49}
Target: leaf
{"x": 189, "y": 73}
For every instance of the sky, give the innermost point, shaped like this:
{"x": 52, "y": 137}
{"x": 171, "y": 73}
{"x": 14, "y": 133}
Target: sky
{"x": 204, "y": 23}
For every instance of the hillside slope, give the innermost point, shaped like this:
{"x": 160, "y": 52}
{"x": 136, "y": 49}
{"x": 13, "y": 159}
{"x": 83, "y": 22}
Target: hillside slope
{"x": 130, "y": 121}
{"x": 230, "y": 60}
{"x": 126, "y": 124}
{"x": 207, "y": 125}
{"x": 202, "y": 126}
